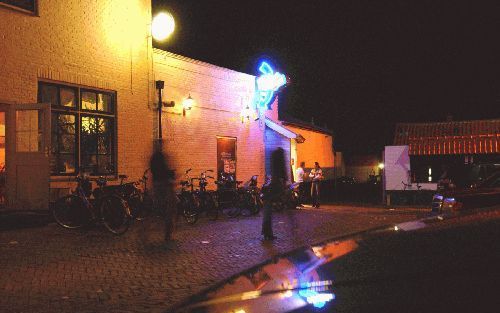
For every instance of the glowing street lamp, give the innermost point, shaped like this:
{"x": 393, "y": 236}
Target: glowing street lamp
{"x": 381, "y": 166}
{"x": 163, "y": 25}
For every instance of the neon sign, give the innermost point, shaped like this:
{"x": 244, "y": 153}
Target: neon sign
{"x": 267, "y": 84}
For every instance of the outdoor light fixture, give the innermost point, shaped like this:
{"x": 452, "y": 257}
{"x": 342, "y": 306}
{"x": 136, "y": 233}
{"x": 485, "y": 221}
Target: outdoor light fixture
{"x": 187, "y": 104}
{"x": 245, "y": 113}
{"x": 163, "y": 25}
{"x": 381, "y": 166}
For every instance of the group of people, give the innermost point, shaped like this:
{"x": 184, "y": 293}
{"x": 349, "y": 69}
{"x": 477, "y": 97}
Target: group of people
{"x": 277, "y": 187}
{"x": 164, "y": 188}
{"x": 316, "y": 175}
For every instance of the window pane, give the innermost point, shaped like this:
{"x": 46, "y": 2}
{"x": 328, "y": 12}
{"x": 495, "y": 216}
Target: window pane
{"x": 63, "y": 164}
{"x": 89, "y": 100}
{"x": 48, "y": 94}
{"x": 104, "y": 102}
{"x": 89, "y": 135}
{"x": 104, "y": 145}
{"x": 104, "y": 164}
{"x": 63, "y": 148}
{"x": 89, "y": 163}
{"x": 96, "y": 144}
{"x": 68, "y": 97}
{"x": 23, "y": 4}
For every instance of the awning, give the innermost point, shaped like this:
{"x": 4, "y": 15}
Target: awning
{"x": 284, "y": 131}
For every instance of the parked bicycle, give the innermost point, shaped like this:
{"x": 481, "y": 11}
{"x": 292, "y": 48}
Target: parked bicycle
{"x": 205, "y": 197}
{"x": 188, "y": 205}
{"x": 85, "y": 206}
{"x": 252, "y": 201}
{"x": 137, "y": 195}
{"x": 228, "y": 198}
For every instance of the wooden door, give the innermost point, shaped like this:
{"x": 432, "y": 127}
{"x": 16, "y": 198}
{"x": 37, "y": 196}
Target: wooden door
{"x": 27, "y": 156}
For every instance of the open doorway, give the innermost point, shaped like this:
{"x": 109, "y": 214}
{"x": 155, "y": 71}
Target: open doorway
{"x": 3, "y": 179}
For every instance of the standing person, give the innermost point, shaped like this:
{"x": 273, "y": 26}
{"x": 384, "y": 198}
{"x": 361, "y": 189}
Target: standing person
{"x": 316, "y": 176}
{"x": 299, "y": 174}
{"x": 163, "y": 188}
{"x": 273, "y": 192}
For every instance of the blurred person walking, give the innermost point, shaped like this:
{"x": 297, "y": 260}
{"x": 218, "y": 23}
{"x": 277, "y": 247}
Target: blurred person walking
{"x": 163, "y": 188}
{"x": 316, "y": 176}
{"x": 273, "y": 191}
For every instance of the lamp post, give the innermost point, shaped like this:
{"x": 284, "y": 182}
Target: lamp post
{"x": 162, "y": 27}
{"x": 160, "y": 84}
{"x": 381, "y": 167}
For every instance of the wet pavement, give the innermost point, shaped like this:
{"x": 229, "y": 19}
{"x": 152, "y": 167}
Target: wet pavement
{"x": 51, "y": 269}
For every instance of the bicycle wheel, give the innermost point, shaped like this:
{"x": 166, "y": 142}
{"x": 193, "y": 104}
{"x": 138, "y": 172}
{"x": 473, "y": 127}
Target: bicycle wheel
{"x": 190, "y": 210}
{"x": 232, "y": 208}
{"x": 115, "y": 214}
{"x": 247, "y": 204}
{"x": 141, "y": 206}
{"x": 211, "y": 208}
{"x": 70, "y": 212}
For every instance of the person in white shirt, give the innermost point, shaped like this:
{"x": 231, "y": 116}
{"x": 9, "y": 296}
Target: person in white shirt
{"x": 299, "y": 176}
{"x": 316, "y": 175}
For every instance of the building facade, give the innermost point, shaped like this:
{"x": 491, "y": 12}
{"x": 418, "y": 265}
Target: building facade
{"x": 73, "y": 75}
{"x": 78, "y": 94}
{"x": 212, "y": 134}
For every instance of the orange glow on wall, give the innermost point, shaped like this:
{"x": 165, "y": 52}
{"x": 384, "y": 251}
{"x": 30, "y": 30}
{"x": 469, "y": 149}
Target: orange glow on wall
{"x": 316, "y": 148}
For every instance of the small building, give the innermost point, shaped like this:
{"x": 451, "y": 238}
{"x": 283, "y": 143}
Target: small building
{"x": 302, "y": 142}
{"x": 434, "y": 147}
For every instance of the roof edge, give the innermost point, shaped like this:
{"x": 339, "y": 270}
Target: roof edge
{"x": 194, "y": 61}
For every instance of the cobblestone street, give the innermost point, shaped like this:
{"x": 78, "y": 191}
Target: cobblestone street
{"x": 50, "y": 269}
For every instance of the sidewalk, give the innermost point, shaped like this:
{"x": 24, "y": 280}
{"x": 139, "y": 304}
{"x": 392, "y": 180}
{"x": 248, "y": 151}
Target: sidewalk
{"x": 10, "y": 220}
{"x": 51, "y": 269}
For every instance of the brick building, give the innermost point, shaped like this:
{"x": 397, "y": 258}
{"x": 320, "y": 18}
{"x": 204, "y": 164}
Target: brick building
{"x": 193, "y": 137}
{"x": 77, "y": 92}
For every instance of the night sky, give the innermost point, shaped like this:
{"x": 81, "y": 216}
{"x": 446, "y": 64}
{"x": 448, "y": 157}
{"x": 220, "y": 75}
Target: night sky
{"x": 358, "y": 67}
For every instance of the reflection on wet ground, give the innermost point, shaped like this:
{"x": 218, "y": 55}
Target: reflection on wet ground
{"x": 396, "y": 259}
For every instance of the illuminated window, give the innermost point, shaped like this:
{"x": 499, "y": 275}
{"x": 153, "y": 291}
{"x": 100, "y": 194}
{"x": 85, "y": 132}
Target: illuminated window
{"x": 83, "y": 129}
{"x": 28, "y": 5}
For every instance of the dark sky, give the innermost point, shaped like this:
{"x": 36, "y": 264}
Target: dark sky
{"x": 357, "y": 66}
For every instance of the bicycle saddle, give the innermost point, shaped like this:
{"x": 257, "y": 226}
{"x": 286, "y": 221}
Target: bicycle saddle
{"x": 122, "y": 176}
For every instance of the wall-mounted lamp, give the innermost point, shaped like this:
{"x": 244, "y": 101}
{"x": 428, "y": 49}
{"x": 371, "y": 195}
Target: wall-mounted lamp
{"x": 246, "y": 113}
{"x": 187, "y": 104}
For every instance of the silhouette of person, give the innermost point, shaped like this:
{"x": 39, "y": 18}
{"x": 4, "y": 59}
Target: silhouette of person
{"x": 273, "y": 191}
{"x": 163, "y": 188}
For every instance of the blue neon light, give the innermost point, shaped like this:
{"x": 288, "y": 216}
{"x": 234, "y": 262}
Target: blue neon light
{"x": 267, "y": 84}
